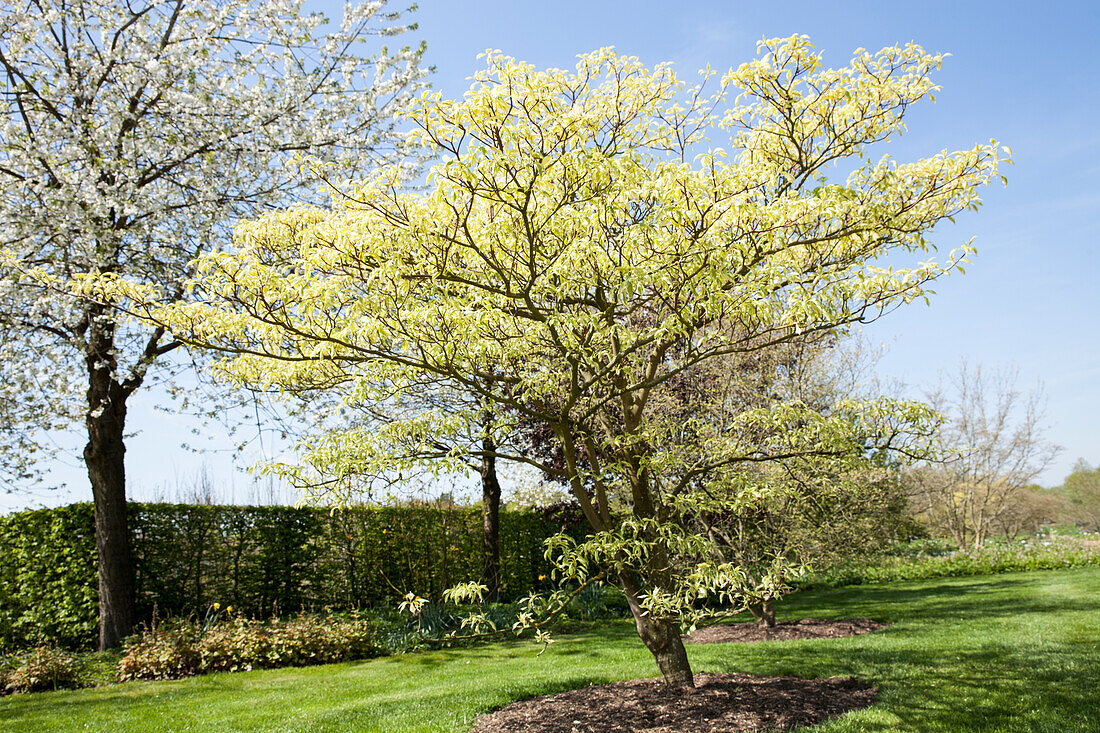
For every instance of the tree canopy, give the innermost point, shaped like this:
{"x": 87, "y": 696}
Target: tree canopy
{"x": 133, "y": 135}
{"x": 1081, "y": 490}
{"x": 582, "y": 242}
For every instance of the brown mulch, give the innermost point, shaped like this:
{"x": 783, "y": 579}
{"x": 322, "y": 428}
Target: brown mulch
{"x": 730, "y": 703}
{"x": 807, "y": 628}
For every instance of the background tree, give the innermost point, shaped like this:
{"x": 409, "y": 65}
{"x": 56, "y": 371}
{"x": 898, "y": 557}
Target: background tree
{"x": 134, "y": 133}
{"x": 775, "y": 518}
{"x": 1081, "y": 491}
{"x": 576, "y": 251}
{"x": 996, "y": 434}
{"x": 1032, "y": 508}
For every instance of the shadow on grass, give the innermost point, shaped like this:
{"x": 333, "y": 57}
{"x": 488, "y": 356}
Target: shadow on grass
{"x": 570, "y": 643}
{"x": 943, "y": 668}
{"x": 1006, "y": 689}
{"x": 236, "y": 704}
{"x": 945, "y": 600}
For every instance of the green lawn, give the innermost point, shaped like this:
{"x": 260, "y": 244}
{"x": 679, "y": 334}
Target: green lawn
{"x": 1007, "y": 653}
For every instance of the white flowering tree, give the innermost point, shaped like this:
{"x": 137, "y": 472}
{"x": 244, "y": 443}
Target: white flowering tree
{"x": 29, "y": 409}
{"x": 134, "y": 134}
{"x": 580, "y": 246}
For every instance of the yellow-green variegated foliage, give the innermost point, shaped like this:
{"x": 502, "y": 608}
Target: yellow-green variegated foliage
{"x": 588, "y": 234}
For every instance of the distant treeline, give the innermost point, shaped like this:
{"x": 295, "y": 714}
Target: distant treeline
{"x": 261, "y": 560}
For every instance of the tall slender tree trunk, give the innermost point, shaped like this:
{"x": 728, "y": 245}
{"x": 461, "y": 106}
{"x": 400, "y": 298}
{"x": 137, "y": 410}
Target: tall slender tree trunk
{"x": 661, "y": 637}
{"x": 490, "y": 516}
{"x": 103, "y": 457}
{"x": 980, "y": 530}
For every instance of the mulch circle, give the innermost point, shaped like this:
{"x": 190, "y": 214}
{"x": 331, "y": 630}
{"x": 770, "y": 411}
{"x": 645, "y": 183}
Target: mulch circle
{"x": 730, "y": 703}
{"x": 807, "y": 628}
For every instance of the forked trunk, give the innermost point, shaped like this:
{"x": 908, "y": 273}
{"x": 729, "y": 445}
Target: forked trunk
{"x": 103, "y": 457}
{"x": 661, "y": 637}
{"x": 764, "y": 613}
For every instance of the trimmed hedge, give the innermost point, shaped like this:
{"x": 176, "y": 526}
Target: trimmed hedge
{"x": 48, "y": 589}
{"x": 264, "y": 561}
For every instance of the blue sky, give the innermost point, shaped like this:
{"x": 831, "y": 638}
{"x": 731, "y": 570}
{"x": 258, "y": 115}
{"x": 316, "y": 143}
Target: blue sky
{"x": 1020, "y": 72}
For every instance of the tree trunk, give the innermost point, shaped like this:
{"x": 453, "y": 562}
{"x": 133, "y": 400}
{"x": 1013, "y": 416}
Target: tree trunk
{"x": 103, "y": 457}
{"x": 661, "y": 637}
{"x": 980, "y": 530}
{"x": 490, "y": 517}
{"x": 764, "y": 613}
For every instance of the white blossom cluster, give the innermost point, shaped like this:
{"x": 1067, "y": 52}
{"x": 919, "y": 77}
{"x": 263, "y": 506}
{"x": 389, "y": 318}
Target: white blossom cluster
{"x": 134, "y": 133}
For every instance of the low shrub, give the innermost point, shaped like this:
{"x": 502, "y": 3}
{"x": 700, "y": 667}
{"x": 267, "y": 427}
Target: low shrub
{"x": 929, "y": 546}
{"x": 39, "y": 669}
{"x": 165, "y": 651}
{"x": 938, "y": 559}
{"x": 185, "y": 647}
{"x": 222, "y": 642}
{"x": 598, "y": 601}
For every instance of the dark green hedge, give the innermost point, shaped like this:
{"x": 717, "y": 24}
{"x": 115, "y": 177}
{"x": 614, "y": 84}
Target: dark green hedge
{"x": 261, "y": 560}
{"x": 48, "y": 577}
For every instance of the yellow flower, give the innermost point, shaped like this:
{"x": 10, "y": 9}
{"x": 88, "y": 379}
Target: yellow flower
{"x": 229, "y": 609}
{"x": 217, "y": 606}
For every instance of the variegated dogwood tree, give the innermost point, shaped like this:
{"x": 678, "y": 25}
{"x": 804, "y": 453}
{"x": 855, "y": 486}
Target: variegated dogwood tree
{"x": 133, "y": 134}
{"x": 466, "y": 435}
{"x": 587, "y": 236}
